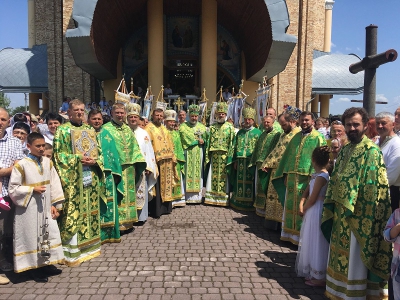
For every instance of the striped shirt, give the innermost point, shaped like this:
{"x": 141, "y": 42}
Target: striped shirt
{"x": 10, "y": 151}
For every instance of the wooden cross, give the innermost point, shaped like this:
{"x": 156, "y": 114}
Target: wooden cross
{"x": 179, "y": 103}
{"x": 369, "y": 63}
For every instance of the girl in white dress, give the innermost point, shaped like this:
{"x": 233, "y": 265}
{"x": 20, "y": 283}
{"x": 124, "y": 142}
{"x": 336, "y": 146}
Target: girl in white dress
{"x": 312, "y": 256}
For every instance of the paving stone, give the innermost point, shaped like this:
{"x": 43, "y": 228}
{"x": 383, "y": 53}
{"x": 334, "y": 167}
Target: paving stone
{"x": 196, "y": 252}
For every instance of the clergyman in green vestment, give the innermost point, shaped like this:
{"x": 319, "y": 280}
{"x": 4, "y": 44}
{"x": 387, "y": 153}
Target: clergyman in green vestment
{"x": 219, "y": 142}
{"x": 132, "y": 162}
{"x": 113, "y": 184}
{"x": 295, "y": 171}
{"x": 240, "y": 176}
{"x": 356, "y": 208}
{"x": 81, "y": 178}
{"x": 265, "y": 144}
{"x": 193, "y": 137}
{"x": 273, "y": 209}
{"x": 178, "y": 193}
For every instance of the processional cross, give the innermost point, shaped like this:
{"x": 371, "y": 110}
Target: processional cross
{"x": 179, "y": 103}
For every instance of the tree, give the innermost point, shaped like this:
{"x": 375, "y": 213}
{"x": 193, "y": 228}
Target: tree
{"x": 5, "y": 102}
{"x": 18, "y": 109}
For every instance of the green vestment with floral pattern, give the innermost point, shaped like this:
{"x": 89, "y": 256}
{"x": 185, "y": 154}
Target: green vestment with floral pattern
{"x": 190, "y": 135}
{"x": 273, "y": 209}
{"x": 242, "y": 178}
{"x": 79, "y": 222}
{"x": 219, "y": 142}
{"x": 133, "y": 164}
{"x": 177, "y": 192}
{"x": 114, "y": 188}
{"x": 265, "y": 144}
{"x": 295, "y": 168}
{"x": 357, "y": 202}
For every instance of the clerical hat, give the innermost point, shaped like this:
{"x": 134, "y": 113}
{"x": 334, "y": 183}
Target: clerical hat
{"x": 194, "y": 109}
{"x": 222, "y": 107}
{"x": 249, "y": 113}
{"x": 293, "y": 111}
{"x": 170, "y": 115}
{"x": 133, "y": 109}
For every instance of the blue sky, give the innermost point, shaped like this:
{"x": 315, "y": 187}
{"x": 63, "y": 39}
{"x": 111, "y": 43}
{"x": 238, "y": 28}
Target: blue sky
{"x": 350, "y": 17}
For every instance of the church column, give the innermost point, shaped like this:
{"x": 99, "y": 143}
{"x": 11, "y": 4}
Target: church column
{"x": 328, "y": 25}
{"x": 33, "y": 98}
{"x": 249, "y": 87}
{"x": 209, "y": 48}
{"x": 155, "y": 33}
{"x": 109, "y": 86}
{"x": 34, "y": 103}
{"x": 324, "y": 105}
{"x": 324, "y": 99}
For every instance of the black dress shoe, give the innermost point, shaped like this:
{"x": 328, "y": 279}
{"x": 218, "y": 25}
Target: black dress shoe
{"x": 50, "y": 270}
{"x": 38, "y": 276}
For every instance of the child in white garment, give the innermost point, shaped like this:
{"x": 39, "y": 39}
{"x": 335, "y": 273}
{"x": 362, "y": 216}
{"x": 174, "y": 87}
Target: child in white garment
{"x": 312, "y": 256}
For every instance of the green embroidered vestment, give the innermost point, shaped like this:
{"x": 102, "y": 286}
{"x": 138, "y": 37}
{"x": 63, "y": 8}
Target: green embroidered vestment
{"x": 220, "y": 140}
{"x": 190, "y": 143}
{"x": 133, "y": 164}
{"x": 357, "y": 201}
{"x": 295, "y": 167}
{"x": 81, "y": 210}
{"x": 114, "y": 189}
{"x": 177, "y": 192}
{"x": 242, "y": 178}
{"x": 273, "y": 208}
{"x": 265, "y": 144}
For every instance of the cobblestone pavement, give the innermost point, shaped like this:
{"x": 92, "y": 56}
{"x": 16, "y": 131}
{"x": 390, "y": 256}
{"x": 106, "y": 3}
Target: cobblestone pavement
{"x": 196, "y": 252}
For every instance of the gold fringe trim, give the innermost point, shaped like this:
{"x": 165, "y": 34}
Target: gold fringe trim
{"x": 81, "y": 260}
{"x": 216, "y": 204}
{"x": 35, "y": 251}
{"x": 111, "y": 241}
{"x": 61, "y": 261}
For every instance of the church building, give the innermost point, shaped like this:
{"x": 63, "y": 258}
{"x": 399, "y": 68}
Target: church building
{"x": 188, "y": 44}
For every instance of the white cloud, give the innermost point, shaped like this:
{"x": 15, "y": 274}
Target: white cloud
{"x": 381, "y": 97}
{"x": 343, "y": 99}
{"x": 333, "y": 45}
{"x": 358, "y": 49}
{"x": 347, "y": 49}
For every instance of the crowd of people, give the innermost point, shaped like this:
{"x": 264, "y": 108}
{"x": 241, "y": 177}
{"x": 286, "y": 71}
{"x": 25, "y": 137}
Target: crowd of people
{"x": 329, "y": 186}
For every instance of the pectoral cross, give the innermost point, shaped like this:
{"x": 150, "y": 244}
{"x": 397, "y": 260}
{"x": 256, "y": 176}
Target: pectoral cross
{"x": 179, "y": 103}
{"x": 198, "y": 133}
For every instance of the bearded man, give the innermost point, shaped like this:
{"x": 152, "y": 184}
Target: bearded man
{"x": 193, "y": 136}
{"x": 178, "y": 193}
{"x": 219, "y": 142}
{"x": 356, "y": 208}
{"x": 132, "y": 161}
{"x": 263, "y": 148}
{"x": 113, "y": 184}
{"x": 148, "y": 179}
{"x": 293, "y": 174}
{"x": 273, "y": 209}
{"x": 239, "y": 159}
